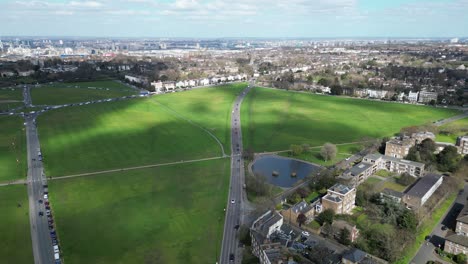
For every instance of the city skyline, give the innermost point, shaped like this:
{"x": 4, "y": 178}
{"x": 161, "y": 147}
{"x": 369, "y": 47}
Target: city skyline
{"x": 221, "y": 18}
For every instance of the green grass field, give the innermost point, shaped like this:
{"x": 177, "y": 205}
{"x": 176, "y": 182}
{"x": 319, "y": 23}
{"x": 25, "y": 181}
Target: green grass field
{"x": 450, "y": 131}
{"x": 13, "y": 162}
{"x": 208, "y": 107}
{"x": 10, "y": 98}
{"x": 274, "y": 119}
{"x": 65, "y": 93}
{"x": 171, "y": 214}
{"x": 15, "y": 238}
{"x": 135, "y": 132}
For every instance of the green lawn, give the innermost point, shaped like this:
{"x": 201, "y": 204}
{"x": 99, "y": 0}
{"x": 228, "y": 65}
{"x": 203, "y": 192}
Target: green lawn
{"x": 171, "y": 214}
{"x": 208, "y": 107}
{"x": 118, "y": 134}
{"x": 15, "y": 242}
{"x": 372, "y": 181}
{"x": 425, "y": 229}
{"x": 275, "y": 119}
{"x": 450, "y": 131}
{"x": 313, "y": 155}
{"x": 65, "y": 93}
{"x": 389, "y": 184}
{"x": 13, "y": 164}
{"x": 10, "y": 98}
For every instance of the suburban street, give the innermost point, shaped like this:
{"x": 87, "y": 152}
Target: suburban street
{"x": 235, "y": 201}
{"x": 40, "y": 236}
{"x": 41, "y": 240}
{"x": 427, "y": 250}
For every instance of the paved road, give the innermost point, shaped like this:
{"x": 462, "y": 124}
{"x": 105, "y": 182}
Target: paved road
{"x": 426, "y": 251}
{"x": 41, "y": 241}
{"x": 451, "y": 119}
{"x": 234, "y": 210}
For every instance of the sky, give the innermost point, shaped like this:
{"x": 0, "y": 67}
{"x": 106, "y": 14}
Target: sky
{"x": 235, "y": 18}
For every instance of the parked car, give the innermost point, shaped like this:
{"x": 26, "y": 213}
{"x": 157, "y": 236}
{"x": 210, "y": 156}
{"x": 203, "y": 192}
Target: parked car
{"x": 231, "y": 257}
{"x": 305, "y": 233}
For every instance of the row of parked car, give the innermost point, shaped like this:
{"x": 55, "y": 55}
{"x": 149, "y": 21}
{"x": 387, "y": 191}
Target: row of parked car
{"x": 50, "y": 221}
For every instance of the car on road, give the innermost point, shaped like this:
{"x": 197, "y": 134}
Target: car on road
{"x": 46, "y": 196}
{"x": 305, "y": 233}
{"x": 40, "y": 201}
{"x": 231, "y": 257}
{"x": 56, "y": 249}
{"x": 236, "y": 227}
{"x": 427, "y": 238}
{"x": 41, "y": 213}
{"x": 48, "y": 213}
{"x": 233, "y": 201}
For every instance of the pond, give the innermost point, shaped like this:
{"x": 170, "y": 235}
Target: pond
{"x": 282, "y": 172}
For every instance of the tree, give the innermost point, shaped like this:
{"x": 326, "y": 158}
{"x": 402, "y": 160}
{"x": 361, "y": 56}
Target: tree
{"x": 328, "y": 151}
{"x": 344, "y": 237}
{"x": 408, "y": 220}
{"x": 303, "y": 192}
{"x": 447, "y": 159}
{"x": 460, "y": 258}
{"x": 405, "y": 179}
{"x": 326, "y": 216}
{"x": 301, "y": 219}
{"x": 296, "y": 150}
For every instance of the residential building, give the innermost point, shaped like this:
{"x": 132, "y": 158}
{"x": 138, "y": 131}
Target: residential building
{"x": 204, "y": 82}
{"x": 462, "y": 144}
{"x": 358, "y": 173}
{"x": 158, "y": 87}
{"x": 357, "y": 256}
{"x": 391, "y": 195}
{"x": 398, "y": 148}
{"x": 136, "y": 79}
{"x": 427, "y": 97}
{"x": 374, "y": 162}
{"x": 421, "y": 136}
{"x": 302, "y": 207}
{"x": 267, "y": 238}
{"x": 338, "y": 225}
{"x": 340, "y": 198}
{"x": 169, "y": 86}
{"x": 413, "y": 97}
{"x": 458, "y": 242}
{"x": 422, "y": 191}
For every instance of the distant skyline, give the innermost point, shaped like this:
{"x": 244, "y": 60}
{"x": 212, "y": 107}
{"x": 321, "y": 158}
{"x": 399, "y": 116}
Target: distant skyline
{"x": 235, "y": 18}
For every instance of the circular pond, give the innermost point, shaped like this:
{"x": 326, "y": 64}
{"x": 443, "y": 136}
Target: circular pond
{"x": 281, "y": 171}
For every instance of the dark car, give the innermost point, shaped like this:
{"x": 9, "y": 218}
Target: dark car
{"x": 46, "y": 203}
{"x": 231, "y": 257}
{"x": 41, "y": 213}
{"x": 444, "y": 228}
{"x": 236, "y": 227}
{"x": 40, "y": 201}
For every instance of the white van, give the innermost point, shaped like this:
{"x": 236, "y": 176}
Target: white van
{"x": 56, "y": 249}
{"x": 56, "y": 256}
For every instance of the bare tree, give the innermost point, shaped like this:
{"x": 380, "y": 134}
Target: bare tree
{"x": 328, "y": 151}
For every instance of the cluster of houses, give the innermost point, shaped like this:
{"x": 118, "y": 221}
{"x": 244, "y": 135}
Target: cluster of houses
{"x": 161, "y": 87}
{"x": 457, "y": 242}
{"x": 341, "y": 199}
{"x": 272, "y": 237}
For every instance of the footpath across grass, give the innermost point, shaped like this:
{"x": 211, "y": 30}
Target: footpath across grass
{"x": 208, "y": 107}
{"x": 450, "y": 131}
{"x": 13, "y": 163}
{"x": 136, "y": 132}
{"x": 65, "y": 93}
{"x": 10, "y": 98}
{"x": 274, "y": 119}
{"x": 425, "y": 229}
{"x": 15, "y": 235}
{"x": 171, "y": 214}
{"x": 117, "y": 135}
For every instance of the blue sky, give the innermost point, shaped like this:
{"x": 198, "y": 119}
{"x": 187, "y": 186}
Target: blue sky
{"x": 235, "y": 18}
